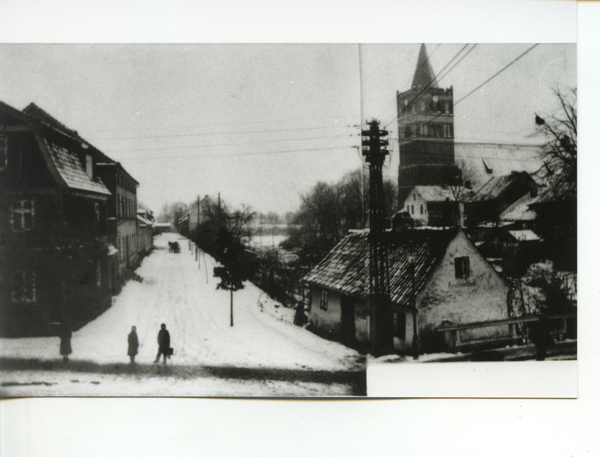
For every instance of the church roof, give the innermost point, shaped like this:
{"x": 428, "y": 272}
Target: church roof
{"x": 424, "y": 75}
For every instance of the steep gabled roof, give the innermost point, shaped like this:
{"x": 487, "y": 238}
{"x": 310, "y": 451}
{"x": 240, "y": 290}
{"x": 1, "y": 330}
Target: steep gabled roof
{"x": 424, "y": 75}
{"x": 71, "y": 170}
{"x": 346, "y": 267}
{"x": 497, "y": 185}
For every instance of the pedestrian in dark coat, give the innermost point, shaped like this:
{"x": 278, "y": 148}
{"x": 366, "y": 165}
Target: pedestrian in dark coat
{"x": 540, "y": 335}
{"x": 164, "y": 344}
{"x": 65, "y": 335}
{"x": 132, "y": 344}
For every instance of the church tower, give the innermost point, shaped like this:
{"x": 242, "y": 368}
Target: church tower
{"x": 425, "y": 131}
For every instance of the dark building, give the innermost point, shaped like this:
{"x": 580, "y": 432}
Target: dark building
{"x": 53, "y": 205}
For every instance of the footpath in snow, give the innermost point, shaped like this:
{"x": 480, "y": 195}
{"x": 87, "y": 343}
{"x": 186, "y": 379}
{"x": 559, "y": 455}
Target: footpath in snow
{"x": 263, "y": 354}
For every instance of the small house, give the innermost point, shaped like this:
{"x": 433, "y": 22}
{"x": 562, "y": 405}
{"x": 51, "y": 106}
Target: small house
{"x": 436, "y": 277}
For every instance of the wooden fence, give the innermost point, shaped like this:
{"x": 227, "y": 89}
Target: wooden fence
{"x": 455, "y": 337}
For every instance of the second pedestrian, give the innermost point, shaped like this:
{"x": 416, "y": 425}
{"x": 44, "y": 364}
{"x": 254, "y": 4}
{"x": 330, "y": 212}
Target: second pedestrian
{"x": 164, "y": 344}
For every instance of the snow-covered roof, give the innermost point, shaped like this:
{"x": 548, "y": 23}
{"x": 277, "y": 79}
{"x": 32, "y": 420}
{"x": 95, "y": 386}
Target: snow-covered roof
{"x": 346, "y": 270}
{"x": 520, "y": 210}
{"x": 439, "y": 193}
{"x": 524, "y": 235}
{"x": 71, "y": 170}
{"x": 481, "y": 161}
{"x": 497, "y": 185}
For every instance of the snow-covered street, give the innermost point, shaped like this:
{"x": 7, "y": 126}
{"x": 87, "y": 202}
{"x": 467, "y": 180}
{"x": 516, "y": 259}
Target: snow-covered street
{"x": 263, "y": 354}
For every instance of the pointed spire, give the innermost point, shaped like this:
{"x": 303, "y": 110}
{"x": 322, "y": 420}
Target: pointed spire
{"x": 424, "y": 75}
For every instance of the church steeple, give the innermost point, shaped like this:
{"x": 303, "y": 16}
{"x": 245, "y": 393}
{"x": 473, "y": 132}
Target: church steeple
{"x": 425, "y": 131}
{"x": 424, "y": 75}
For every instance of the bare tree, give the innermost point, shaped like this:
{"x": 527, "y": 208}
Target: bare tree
{"x": 560, "y": 152}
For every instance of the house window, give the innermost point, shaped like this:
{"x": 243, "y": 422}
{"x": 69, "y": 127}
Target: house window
{"x": 98, "y": 274}
{"x": 412, "y": 209}
{"x": 323, "y": 304}
{"x": 462, "y": 268}
{"x": 400, "y": 324}
{"x": 23, "y": 287}
{"x": 421, "y": 209}
{"x": 21, "y": 216}
{"x": 3, "y": 151}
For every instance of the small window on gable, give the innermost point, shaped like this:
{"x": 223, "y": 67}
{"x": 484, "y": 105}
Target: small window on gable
{"x": 3, "y": 151}
{"x": 462, "y": 268}
{"x": 21, "y": 215}
{"x": 412, "y": 209}
{"x": 421, "y": 209}
{"x": 23, "y": 287}
{"x": 323, "y": 304}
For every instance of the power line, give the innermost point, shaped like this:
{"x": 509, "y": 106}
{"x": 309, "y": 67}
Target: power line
{"x": 221, "y": 133}
{"x": 441, "y": 76}
{"x": 483, "y": 83}
{"x": 226, "y": 124}
{"x": 240, "y": 144}
{"x": 144, "y": 159}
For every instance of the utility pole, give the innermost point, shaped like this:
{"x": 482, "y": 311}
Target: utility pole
{"x": 380, "y": 309}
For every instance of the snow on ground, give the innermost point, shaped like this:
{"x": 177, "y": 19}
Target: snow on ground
{"x": 262, "y": 354}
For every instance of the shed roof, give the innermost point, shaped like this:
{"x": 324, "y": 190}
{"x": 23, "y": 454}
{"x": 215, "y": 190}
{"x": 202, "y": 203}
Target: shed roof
{"x": 497, "y": 185}
{"x": 441, "y": 194}
{"x": 524, "y": 235}
{"x": 520, "y": 210}
{"x": 346, "y": 267}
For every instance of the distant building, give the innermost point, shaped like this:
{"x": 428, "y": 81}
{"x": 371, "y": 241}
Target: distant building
{"x": 122, "y": 214}
{"x": 436, "y": 205}
{"x": 163, "y": 227}
{"x": 436, "y": 276}
{"x": 145, "y": 218}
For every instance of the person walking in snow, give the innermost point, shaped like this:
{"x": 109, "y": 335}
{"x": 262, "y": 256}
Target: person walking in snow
{"x": 164, "y": 344}
{"x": 65, "y": 335}
{"x": 540, "y": 335}
{"x": 132, "y": 344}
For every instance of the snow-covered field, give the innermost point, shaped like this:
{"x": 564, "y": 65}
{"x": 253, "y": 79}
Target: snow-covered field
{"x": 263, "y": 354}
{"x": 266, "y": 240}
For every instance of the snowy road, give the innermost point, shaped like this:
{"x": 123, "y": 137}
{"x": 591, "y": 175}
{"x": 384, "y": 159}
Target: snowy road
{"x": 263, "y": 354}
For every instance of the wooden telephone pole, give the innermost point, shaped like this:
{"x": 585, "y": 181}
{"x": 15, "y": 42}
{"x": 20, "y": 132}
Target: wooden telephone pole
{"x": 381, "y": 320}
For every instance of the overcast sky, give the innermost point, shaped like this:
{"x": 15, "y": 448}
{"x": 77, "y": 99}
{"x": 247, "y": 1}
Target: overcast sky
{"x": 261, "y": 124}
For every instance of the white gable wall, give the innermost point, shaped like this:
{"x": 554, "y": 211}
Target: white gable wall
{"x": 416, "y": 206}
{"x": 482, "y": 296}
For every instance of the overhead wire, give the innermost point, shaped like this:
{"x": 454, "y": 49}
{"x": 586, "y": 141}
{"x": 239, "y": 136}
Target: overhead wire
{"x": 485, "y": 82}
{"x": 179, "y": 135}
